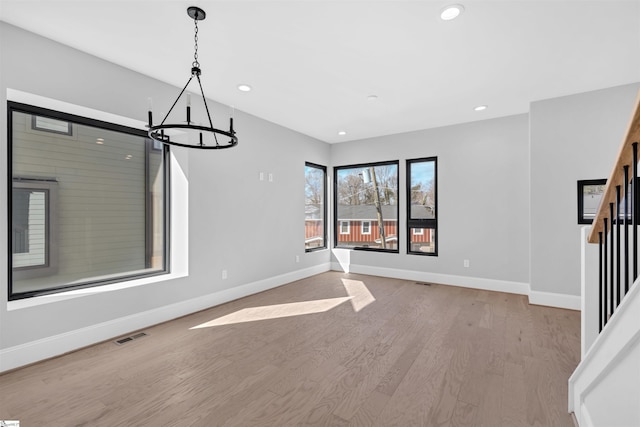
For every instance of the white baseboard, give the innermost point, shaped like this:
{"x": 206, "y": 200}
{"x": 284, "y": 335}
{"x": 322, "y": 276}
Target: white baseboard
{"x": 571, "y": 302}
{"x": 443, "y": 279}
{"x": 35, "y": 351}
{"x": 537, "y": 298}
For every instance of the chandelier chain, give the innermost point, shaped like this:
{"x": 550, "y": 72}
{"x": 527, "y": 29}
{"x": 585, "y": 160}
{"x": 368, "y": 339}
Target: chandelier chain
{"x": 195, "y": 40}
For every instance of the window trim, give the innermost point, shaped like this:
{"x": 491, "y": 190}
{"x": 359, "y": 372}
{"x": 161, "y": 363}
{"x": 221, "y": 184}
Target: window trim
{"x": 336, "y": 222}
{"x": 348, "y": 227}
{"x": 367, "y": 233}
{"x": 13, "y": 106}
{"x": 423, "y": 223}
{"x": 324, "y": 205}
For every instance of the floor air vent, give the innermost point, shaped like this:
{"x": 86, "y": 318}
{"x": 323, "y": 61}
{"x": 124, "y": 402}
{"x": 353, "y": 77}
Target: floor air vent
{"x": 130, "y": 338}
{"x": 423, "y": 283}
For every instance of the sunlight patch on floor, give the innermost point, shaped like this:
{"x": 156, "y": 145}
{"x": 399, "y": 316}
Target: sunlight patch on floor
{"x": 359, "y": 293}
{"x": 276, "y": 311}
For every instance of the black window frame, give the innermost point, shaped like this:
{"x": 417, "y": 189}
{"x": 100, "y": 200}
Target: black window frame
{"x": 324, "y": 206}
{"x": 34, "y": 110}
{"x": 423, "y": 223}
{"x": 336, "y": 221}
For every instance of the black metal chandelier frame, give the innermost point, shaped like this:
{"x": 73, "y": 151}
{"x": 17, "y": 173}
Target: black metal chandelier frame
{"x": 159, "y": 132}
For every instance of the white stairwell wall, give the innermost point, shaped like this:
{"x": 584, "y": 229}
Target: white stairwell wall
{"x": 604, "y": 390}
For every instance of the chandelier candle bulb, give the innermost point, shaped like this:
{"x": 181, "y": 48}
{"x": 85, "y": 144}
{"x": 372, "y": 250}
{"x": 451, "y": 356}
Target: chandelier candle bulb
{"x": 150, "y": 107}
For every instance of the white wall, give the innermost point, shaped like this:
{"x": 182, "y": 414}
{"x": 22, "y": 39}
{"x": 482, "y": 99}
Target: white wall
{"x": 573, "y": 138}
{"x": 252, "y": 229}
{"x": 483, "y": 206}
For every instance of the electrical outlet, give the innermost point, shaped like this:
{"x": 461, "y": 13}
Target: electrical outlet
{"x": 466, "y": 263}
{"x": 297, "y": 258}
{"x": 270, "y": 177}
{"x": 261, "y": 176}
{"x": 224, "y": 274}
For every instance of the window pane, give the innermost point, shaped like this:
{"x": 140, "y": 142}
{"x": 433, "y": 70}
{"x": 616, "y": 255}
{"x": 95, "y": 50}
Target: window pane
{"x": 422, "y": 211}
{"x": 344, "y": 227}
{"x": 108, "y": 206}
{"x": 51, "y": 125}
{"x": 422, "y": 241}
{"x": 423, "y": 195}
{"x": 366, "y": 227}
{"x": 367, "y": 206}
{"x": 314, "y": 209}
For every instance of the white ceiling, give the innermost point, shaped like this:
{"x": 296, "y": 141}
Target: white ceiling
{"x": 312, "y": 63}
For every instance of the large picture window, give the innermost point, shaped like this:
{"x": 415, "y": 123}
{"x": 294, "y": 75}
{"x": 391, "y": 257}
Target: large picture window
{"x": 366, "y": 206}
{"x": 422, "y": 212}
{"x": 87, "y": 202}
{"x": 315, "y": 209}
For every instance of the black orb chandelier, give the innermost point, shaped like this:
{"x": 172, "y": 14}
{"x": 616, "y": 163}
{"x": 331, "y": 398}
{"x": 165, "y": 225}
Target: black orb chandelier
{"x": 189, "y": 134}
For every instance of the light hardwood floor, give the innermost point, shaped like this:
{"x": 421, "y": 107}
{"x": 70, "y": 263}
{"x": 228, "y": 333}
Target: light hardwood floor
{"x": 370, "y": 351}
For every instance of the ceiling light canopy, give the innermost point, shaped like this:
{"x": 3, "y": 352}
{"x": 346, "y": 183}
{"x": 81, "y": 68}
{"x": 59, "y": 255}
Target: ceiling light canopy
{"x": 244, "y": 88}
{"x": 342, "y": 133}
{"x": 480, "y": 108}
{"x": 451, "y": 12}
{"x": 189, "y": 134}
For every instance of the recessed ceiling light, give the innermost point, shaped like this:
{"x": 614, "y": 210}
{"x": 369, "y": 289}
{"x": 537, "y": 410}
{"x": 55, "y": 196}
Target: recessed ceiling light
{"x": 451, "y": 12}
{"x": 342, "y": 133}
{"x": 244, "y": 88}
{"x": 480, "y": 108}
{"x": 372, "y": 97}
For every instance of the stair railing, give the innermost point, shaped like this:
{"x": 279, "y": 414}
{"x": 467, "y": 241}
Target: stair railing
{"x": 617, "y": 216}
